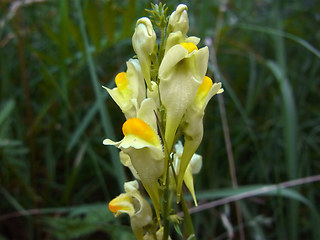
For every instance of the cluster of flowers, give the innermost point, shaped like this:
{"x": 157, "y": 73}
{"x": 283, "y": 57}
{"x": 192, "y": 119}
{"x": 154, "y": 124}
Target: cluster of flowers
{"x": 163, "y": 95}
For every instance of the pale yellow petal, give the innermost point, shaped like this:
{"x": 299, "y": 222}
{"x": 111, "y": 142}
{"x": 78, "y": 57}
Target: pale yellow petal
{"x": 188, "y": 180}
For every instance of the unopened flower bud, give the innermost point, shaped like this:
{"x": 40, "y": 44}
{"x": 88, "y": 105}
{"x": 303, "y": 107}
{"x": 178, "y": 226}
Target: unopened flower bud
{"x": 143, "y": 42}
{"x": 179, "y": 20}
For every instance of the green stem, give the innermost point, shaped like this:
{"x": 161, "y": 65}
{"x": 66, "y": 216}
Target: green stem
{"x": 166, "y": 208}
{"x": 187, "y": 217}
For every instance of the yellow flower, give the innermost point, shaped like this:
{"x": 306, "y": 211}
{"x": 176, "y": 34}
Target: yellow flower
{"x": 130, "y": 90}
{"x": 122, "y": 204}
{"x": 192, "y": 125}
{"x": 132, "y": 203}
{"x": 181, "y": 72}
{"x": 141, "y": 142}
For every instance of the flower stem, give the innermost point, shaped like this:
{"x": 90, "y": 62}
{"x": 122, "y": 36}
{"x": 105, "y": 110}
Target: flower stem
{"x": 166, "y": 205}
{"x": 165, "y": 202}
{"x": 187, "y": 217}
{"x": 166, "y": 208}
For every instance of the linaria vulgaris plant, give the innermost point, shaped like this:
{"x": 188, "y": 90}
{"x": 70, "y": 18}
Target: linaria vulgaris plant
{"x": 163, "y": 95}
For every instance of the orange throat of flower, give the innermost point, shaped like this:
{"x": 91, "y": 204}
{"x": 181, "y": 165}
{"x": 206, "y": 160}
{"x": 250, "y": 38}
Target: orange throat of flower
{"x": 122, "y": 203}
{"x": 137, "y": 127}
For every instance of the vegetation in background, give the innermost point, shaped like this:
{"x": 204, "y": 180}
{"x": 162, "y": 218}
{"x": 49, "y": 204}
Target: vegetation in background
{"x": 55, "y": 174}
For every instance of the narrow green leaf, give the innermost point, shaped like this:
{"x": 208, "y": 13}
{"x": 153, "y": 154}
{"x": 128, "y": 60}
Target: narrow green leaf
{"x": 178, "y": 230}
{"x": 290, "y": 118}
{"x": 6, "y": 110}
{"x": 83, "y": 125}
{"x": 129, "y": 19}
{"x": 13, "y": 202}
{"x": 93, "y": 22}
{"x": 105, "y": 116}
{"x": 290, "y": 36}
{"x": 109, "y": 20}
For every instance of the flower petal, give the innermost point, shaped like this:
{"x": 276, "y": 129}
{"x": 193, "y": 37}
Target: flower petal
{"x": 122, "y": 204}
{"x": 126, "y": 161}
{"x": 130, "y": 90}
{"x": 139, "y": 129}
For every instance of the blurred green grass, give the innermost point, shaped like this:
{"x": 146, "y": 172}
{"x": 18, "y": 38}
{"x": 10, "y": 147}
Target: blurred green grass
{"x": 56, "y": 175}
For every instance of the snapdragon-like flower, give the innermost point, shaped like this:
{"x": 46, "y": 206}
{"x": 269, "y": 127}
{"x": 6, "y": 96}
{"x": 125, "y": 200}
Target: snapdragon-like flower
{"x": 142, "y": 143}
{"x": 130, "y": 90}
{"x": 144, "y": 42}
{"x": 192, "y": 124}
{"x": 132, "y": 203}
{"x": 181, "y": 72}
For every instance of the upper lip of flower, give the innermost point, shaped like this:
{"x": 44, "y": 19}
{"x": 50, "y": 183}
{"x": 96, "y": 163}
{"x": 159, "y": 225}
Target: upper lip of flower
{"x": 181, "y": 11}
{"x": 148, "y": 28}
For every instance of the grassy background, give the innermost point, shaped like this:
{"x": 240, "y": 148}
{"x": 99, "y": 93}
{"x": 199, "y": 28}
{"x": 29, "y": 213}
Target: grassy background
{"x": 56, "y": 175}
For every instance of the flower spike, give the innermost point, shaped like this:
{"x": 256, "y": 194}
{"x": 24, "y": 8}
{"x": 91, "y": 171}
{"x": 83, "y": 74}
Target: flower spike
{"x": 163, "y": 95}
